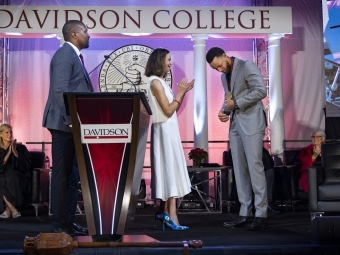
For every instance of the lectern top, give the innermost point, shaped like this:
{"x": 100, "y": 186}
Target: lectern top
{"x": 117, "y": 95}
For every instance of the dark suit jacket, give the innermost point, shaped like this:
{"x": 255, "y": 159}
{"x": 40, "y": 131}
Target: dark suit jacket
{"x": 67, "y": 74}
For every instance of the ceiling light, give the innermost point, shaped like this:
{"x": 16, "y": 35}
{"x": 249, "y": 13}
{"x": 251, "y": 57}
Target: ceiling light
{"x": 50, "y": 36}
{"x": 137, "y": 34}
{"x": 10, "y": 33}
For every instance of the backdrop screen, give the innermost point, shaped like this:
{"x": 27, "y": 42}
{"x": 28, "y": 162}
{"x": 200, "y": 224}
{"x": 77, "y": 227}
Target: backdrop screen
{"x": 331, "y": 18}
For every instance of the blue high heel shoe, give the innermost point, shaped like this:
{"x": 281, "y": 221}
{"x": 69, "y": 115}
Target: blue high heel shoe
{"x": 160, "y": 217}
{"x": 170, "y": 223}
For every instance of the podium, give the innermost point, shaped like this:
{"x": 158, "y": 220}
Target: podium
{"x": 110, "y": 134}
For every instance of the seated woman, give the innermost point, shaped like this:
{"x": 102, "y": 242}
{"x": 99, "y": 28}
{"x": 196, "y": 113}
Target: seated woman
{"x": 14, "y": 172}
{"x": 310, "y": 156}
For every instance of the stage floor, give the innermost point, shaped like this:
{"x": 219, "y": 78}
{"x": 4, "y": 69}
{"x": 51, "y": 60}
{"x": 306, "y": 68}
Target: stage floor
{"x": 288, "y": 233}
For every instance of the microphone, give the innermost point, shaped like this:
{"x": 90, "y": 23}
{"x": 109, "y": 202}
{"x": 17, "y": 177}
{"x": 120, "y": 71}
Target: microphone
{"x": 106, "y": 57}
{"x": 111, "y": 64}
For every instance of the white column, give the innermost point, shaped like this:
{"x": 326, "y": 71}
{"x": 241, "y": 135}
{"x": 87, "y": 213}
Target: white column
{"x": 200, "y": 92}
{"x": 276, "y": 116}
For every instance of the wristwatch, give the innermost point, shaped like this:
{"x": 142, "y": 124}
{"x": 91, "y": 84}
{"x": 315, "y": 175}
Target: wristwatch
{"x": 236, "y": 105}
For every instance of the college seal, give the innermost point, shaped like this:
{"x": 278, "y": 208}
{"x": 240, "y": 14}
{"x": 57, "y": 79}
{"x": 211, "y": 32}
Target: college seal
{"x": 124, "y": 69}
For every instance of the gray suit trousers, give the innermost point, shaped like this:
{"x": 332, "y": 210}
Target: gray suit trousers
{"x": 249, "y": 172}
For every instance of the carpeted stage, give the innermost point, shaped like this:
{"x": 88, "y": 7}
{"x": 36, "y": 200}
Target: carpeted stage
{"x": 288, "y": 233}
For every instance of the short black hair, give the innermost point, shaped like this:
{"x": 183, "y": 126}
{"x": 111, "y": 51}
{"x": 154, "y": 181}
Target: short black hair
{"x": 70, "y": 27}
{"x": 155, "y": 63}
{"x": 212, "y": 53}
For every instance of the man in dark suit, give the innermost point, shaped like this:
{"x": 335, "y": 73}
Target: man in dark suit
{"x": 67, "y": 73}
{"x": 244, "y": 90}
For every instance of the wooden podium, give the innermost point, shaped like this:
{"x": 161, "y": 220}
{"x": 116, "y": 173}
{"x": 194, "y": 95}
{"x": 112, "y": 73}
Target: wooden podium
{"x": 110, "y": 134}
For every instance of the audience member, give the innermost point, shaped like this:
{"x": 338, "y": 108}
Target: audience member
{"x": 14, "y": 172}
{"x": 170, "y": 177}
{"x": 310, "y": 156}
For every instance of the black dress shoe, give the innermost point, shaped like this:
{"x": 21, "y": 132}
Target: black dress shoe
{"x": 272, "y": 210}
{"x": 259, "y": 223}
{"x": 67, "y": 231}
{"x": 79, "y": 229}
{"x": 301, "y": 203}
{"x": 240, "y": 221}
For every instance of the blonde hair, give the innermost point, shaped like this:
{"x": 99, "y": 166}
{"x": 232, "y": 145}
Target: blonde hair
{"x": 3, "y": 127}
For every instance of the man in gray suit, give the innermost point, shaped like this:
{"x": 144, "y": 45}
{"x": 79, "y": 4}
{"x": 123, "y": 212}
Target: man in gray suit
{"x": 67, "y": 73}
{"x": 244, "y": 90}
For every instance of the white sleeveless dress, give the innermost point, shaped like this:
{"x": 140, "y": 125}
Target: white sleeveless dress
{"x": 168, "y": 166}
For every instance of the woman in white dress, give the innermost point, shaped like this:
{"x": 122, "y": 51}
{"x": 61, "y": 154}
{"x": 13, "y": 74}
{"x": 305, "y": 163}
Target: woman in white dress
{"x": 170, "y": 178}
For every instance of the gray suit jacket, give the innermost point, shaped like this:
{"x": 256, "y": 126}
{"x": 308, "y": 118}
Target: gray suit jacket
{"x": 67, "y": 74}
{"x": 248, "y": 89}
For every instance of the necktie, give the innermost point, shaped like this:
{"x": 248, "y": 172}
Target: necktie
{"x": 89, "y": 84}
{"x": 82, "y": 59}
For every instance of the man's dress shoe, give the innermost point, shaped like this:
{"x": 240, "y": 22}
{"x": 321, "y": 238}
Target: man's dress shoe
{"x": 79, "y": 229}
{"x": 240, "y": 221}
{"x": 259, "y": 223}
{"x": 272, "y": 210}
{"x": 67, "y": 231}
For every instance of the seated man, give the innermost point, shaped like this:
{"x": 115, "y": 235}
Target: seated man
{"x": 268, "y": 164}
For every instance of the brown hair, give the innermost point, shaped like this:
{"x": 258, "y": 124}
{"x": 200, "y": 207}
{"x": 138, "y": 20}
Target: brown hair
{"x": 155, "y": 63}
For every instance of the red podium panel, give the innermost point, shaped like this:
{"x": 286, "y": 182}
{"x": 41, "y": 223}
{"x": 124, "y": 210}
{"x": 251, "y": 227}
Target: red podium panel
{"x": 110, "y": 133}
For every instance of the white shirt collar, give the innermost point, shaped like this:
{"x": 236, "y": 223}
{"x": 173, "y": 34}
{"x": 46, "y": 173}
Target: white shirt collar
{"x": 75, "y": 48}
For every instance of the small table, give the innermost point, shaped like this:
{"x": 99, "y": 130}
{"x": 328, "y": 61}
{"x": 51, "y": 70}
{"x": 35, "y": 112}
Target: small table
{"x": 195, "y": 187}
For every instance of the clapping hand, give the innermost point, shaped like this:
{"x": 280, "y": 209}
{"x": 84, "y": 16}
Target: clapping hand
{"x": 191, "y": 85}
{"x": 14, "y": 147}
{"x": 184, "y": 86}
